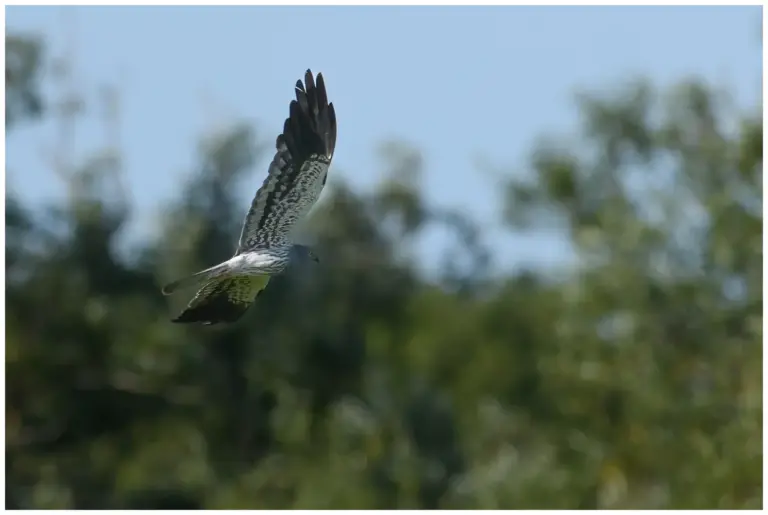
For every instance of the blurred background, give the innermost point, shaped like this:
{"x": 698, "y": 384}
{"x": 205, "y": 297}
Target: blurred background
{"x": 540, "y": 243}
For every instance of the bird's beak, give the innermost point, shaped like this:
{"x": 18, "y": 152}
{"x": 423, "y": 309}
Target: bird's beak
{"x": 315, "y": 258}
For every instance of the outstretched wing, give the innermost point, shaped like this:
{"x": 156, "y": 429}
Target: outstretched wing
{"x": 223, "y": 300}
{"x": 298, "y": 171}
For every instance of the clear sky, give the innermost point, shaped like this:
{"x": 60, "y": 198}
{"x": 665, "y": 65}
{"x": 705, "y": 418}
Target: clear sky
{"x": 457, "y": 82}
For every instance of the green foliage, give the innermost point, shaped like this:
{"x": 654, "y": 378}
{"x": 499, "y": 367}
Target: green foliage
{"x": 22, "y": 75}
{"x": 633, "y": 382}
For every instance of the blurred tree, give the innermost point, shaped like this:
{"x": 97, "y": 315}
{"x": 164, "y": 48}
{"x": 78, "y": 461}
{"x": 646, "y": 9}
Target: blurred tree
{"x": 23, "y": 57}
{"x": 660, "y": 329}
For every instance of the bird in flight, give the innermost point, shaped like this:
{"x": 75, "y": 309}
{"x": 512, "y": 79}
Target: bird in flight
{"x": 295, "y": 179}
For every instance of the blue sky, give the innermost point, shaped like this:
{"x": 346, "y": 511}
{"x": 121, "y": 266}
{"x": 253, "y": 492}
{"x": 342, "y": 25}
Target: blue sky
{"x": 457, "y": 82}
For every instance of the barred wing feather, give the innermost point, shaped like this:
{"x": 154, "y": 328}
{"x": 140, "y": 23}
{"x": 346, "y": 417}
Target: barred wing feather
{"x": 223, "y": 299}
{"x": 298, "y": 171}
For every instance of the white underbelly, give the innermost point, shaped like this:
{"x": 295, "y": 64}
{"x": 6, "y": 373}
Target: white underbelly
{"x": 259, "y": 263}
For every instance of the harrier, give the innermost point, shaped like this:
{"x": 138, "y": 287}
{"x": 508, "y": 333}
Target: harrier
{"x": 296, "y": 177}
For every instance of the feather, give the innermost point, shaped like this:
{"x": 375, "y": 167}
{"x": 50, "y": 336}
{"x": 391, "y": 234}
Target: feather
{"x": 298, "y": 170}
{"x": 223, "y": 300}
{"x": 199, "y": 277}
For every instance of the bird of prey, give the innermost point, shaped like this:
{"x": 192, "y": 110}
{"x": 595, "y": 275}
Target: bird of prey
{"x": 295, "y": 179}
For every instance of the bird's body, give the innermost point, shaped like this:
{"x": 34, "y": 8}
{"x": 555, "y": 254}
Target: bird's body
{"x": 296, "y": 177}
{"x": 261, "y": 261}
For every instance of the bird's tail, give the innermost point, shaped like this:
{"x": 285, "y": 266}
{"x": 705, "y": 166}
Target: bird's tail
{"x": 197, "y": 278}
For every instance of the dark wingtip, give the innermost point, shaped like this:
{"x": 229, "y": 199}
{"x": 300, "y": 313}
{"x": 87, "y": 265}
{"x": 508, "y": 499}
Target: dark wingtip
{"x": 181, "y": 319}
{"x": 311, "y": 124}
{"x": 308, "y": 83}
